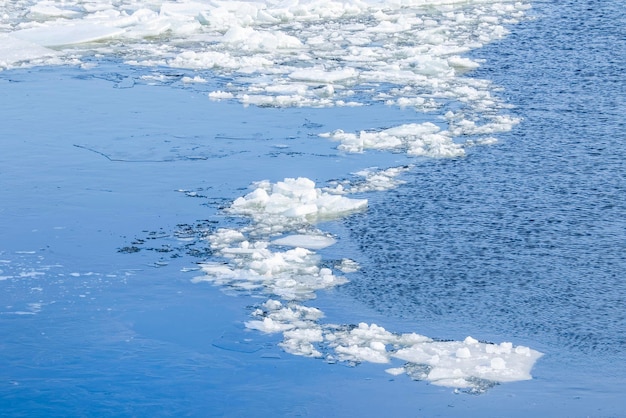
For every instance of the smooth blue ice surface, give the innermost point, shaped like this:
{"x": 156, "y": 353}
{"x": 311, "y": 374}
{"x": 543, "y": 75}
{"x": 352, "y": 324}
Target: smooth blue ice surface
{"x": 108, "y": 185}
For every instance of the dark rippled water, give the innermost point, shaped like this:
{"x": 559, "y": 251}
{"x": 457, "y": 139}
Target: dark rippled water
{"x": 526, "y": 238}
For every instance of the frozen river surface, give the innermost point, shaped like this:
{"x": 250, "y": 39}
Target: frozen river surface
{"x": 263, "y": 209}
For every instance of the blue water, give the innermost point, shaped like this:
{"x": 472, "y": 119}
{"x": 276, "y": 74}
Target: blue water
{"x": 525, "y": 238}
{"x": 520, "y": 241}
{"x": 527, "y": 235}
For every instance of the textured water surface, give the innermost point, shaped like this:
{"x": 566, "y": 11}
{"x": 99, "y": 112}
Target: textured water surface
{"x": 527, "y": 236}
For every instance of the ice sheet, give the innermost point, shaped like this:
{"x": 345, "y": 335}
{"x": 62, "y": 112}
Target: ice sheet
{"x": 301, "y": 53}
{"x": 55, "y": 36}
{"x": 311, "y": 242}
{"x": 14, "y": 51}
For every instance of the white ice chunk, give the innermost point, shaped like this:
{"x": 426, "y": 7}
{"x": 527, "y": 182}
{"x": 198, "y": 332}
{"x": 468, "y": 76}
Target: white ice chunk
{"x": 300, "y": 341}
{"x": 379, "y": 180}
{"x": 451, "y": 361}
{"x": 463, "y": 63}
{"x": 323, "y": 76}
{"x": 268, "y": 325}
{"x": 360, "y": 354}
{"x": 14, "y": 50}
{"x": 395, "y": 371}
{"x": 196, "y": 79}
{"x": 249, "y": 39}
{"x": 220, "y": 95}
{"x": 348, "y": 266}
{"x": 295, "y": 198}
{"x": 311, "y": 242}
{"x": 424, "y": 139}
{"x": 70, "y": 34}
{"x": 225, "y": 237}
{"x": 47, "y": 9}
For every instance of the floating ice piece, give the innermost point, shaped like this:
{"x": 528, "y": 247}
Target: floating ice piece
{"x": 295, "y": 198}
{"x": 268, "y": 325}
{"x": 396, "y": 371}
{"x": 348, "y": 266}
{"x": 14, "y": 50}
{"x": 370, "y": 180}
{"x": 220, "y": 95}
{"x": 53, "y": 36}
{"x": 292, "y": 274}
{"x": 299, "y": 326}
{"x": 311, "y": 242}
{"x": 379, "y": 180}
{"x": 453, "y": 360}
{"x": 425, "y": 139}
{"x": 225, "y": 237}
{"x": 322, "y": 76}
{"x": 249, "y": 39}
{"x": 301, "y": 341}
{"x": 462, "y": 63}
{"x": 459, "y": 364}
{"x": 46, "y": 10}
{"x": 190, "y": 80}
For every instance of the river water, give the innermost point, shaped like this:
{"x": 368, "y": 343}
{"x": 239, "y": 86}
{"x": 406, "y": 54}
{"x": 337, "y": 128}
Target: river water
{"x": 111, "y": 192}
{"x": 528, "y": 234}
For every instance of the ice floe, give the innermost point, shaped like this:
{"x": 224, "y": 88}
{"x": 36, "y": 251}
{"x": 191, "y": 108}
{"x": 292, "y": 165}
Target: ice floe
{"x": 289, "y": 207}
{"x": 410, "y": 54}
{"x": 467, "y": 364}
{"x": 424, "y": 139}
{"x": 283, "y": 214}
